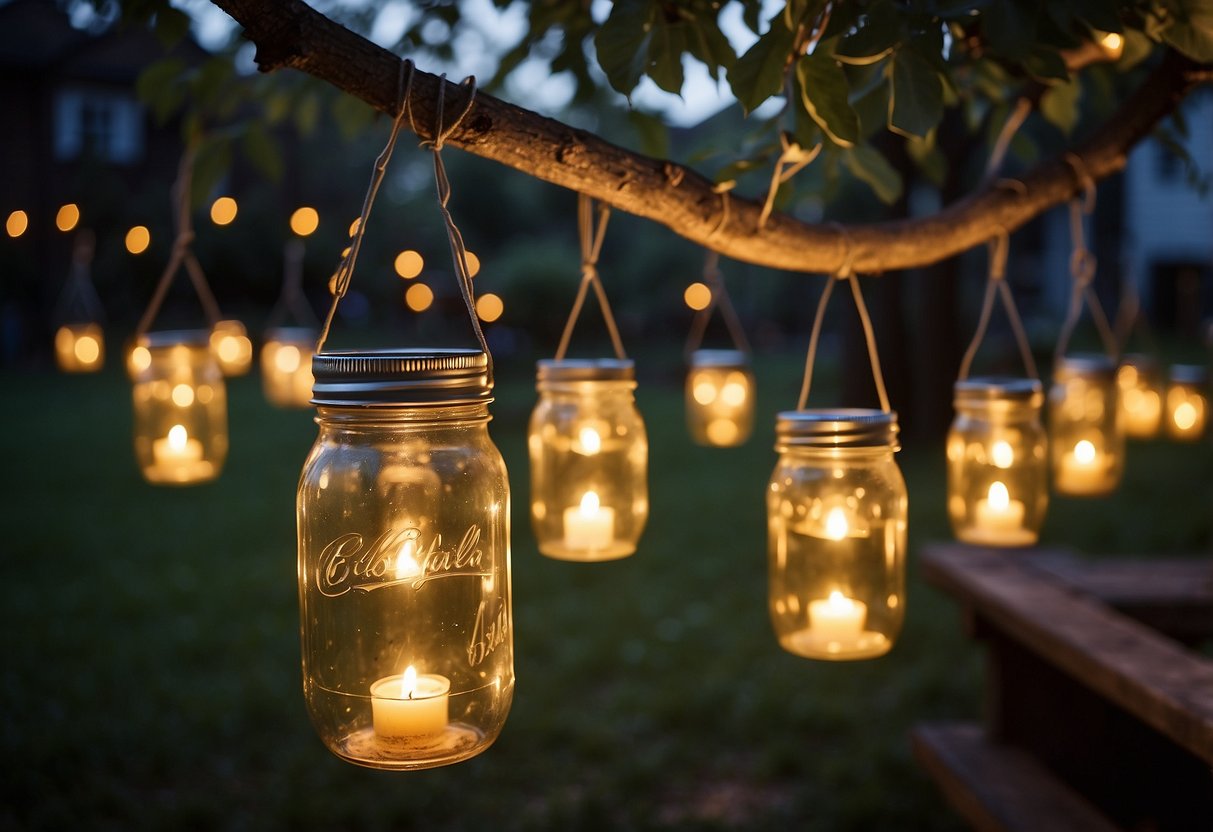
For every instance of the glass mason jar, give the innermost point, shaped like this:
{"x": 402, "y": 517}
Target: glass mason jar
{"x": 720, "y": 397}
{"x": 404, "y": 560}
{"x": 1086, "y": 441}
{"x": 1187, "y": 402}
{"x": 589, "y": 460}
{"x": 1140, "y": 396}
{"x": 232, "y": 347}
{"x": 836, "y": 520}
{"x": 80, "y": 348}
{"x": 180, "y": 408}
{"x": 998, "y": 470}
{"x": 286, "y": 365}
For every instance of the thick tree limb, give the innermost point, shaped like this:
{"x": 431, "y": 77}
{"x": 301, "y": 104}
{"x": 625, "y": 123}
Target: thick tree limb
{"x": 289, "y": 33}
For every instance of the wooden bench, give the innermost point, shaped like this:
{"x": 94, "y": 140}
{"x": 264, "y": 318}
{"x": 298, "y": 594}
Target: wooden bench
{"x": 1093, "y": 719}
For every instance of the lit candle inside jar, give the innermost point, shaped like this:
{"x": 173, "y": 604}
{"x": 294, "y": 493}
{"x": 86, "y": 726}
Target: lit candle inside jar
{"x": 1083, "y": 469}
{"x": 837, "y": 619}
{"x": 177, "y": 448}
{"x": 410, "y": 705}
{"x": 999, "y": 520}
{"x": 589, "y": 525}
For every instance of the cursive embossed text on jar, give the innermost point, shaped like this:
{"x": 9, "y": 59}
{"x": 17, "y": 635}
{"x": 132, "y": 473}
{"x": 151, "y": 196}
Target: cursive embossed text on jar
{"x": 396, "y": 557}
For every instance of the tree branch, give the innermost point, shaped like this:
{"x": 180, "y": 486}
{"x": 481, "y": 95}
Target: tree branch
{"x": 289, "y": 33}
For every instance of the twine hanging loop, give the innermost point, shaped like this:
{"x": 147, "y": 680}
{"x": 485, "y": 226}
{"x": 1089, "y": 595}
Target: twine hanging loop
{"x": 996, "y": 284}
{"x": 591, "y": 235}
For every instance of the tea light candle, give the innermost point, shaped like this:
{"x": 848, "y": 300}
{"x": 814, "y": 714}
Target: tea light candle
{"x": 410, "y": 705}
{"x": 837, "y": 619}
{"x": 999, "y": 520}
{"x": 589, "y": 525}
{"x": 177, "y": 448}
{"x": 1082, "y": 470}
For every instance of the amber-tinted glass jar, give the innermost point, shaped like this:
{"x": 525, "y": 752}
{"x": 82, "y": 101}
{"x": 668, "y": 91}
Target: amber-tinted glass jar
{"x": 286, "y": 366}
{"x": 998, "y": 468}
{"x": 404, "y": 560}
{"x": 80, "y": 348}
{"x": 180, "y": 408}
{"x": 1140, "y": 396}
{"x": 232, "y": 347}
{"x": 720, "y": 397}
{"x": 1187, "y": 402}
{"x": 1086, "y": 441}
{"x": 836, "y": 514}
{"x": 589, "y": 460}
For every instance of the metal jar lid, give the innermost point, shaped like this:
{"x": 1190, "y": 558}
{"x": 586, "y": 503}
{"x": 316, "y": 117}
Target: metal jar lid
{"x": 720, "y": 358}
{"x": 551, "y": 371}
{"x": 842, "y": 428}
{"x": 990, "y": 390}
{"x": 1090, "y": 365}
{"x": 1193, "y": 374}
{"x": 386, "y": 378}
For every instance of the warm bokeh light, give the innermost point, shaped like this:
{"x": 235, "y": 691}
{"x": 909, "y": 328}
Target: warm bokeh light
{"x": 697, "y": 296}
{"x": 419, "y": 297}
{"x": 304, "y": 221}
{"x": 223, "y": 210}
{"x": 354, "y": 226}
{"x": 17, "y": 223}
{"x": 138, "y": 239}
{"x": 1113, "y": 44}
{"x": 409, "y": 264}
{"x": 489, "y": 307}
{"x": 473, "y": 264}
{"x": 67, "y": 217}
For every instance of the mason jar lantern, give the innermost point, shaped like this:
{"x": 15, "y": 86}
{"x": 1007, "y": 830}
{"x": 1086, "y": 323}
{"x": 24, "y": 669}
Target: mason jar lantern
{"x": 286, "y": 365}
{"x": 404, "y": 560}
{"x": 1140, "y": 396}
{"x": 180, "y": 408}
{"x": 836, "y": 515}
{"x": 232, "y": 347}
{"x": 80, "y": 348}
{"x": 1086, "y": 439}
{"x": 720, "y": 397}
{"x": 589, "y": 460}
{"x": 998, "y": 470}
{"x": 1187, "y": 402}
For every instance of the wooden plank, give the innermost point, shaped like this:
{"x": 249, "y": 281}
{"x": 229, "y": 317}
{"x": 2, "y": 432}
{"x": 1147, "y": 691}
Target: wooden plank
{"x": 1137, "y": 669}
{"x": 996, "y": 788}
{"x": 1173, "y": 595}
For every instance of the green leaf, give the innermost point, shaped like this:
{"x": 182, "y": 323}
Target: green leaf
{"x": 262, "y": 151}
{"x": 824, "y": 91}
{"x": 1047, "y": 64}
{"x": 870, "y": 166}
{"x": 665, "y": 57}
{"x": 1192, "y": 31}
{"x": 1059, "y": 105}
{"x": 160, "y": 87}
{"x": 758, "y": 74}
{"x": 916, "y": 95}
{"x": 654, "y": 137}
{"x": 877, "y": 34}
{"x": 1137, "y": 48}
{"x": 929, "y": 159}
{"x": 623, "y": 42}
{"x": 707, "y": 43}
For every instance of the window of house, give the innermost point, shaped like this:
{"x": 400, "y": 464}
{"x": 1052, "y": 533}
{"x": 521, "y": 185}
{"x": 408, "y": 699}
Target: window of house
{"x": 100, "y": 124}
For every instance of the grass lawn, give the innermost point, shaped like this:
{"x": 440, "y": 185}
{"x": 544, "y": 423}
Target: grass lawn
{"x": 151, "y": 670}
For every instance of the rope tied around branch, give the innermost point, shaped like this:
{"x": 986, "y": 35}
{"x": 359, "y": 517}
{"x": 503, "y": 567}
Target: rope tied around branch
{"x": 792, "y": 159}
{"x": 591, "y": 236}
{"x": 997, "y": 284}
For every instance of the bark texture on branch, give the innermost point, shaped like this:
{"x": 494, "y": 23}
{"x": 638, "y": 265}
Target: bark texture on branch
{"x": 289, "y": 33}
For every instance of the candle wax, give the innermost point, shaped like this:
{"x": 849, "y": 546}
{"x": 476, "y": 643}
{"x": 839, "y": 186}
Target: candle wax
{"x": 410, "y": 710}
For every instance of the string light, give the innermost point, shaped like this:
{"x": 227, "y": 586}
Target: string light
{"x": 305, "y": 221}
{"x": 138, "y": 239}
{"x": 419, "y": 297}
{"x": 67, "y": 217}
{"x": 473, "y": 263}
{"x": 489, "y": 307}
{"x": 697, "y": 296}
{"x": 17, "y": 223}
{"x": 409, "y": 264}
{"x": 223, "y": 210}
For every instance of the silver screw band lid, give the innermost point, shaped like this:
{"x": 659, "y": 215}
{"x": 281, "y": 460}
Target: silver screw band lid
{"x": 434, "y": 376}
{"x": 840, "y": 428}
{"x": 549, "y": 370}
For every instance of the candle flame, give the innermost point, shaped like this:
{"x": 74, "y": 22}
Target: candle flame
{"x": 1002, "y": 454}
{"x": 999, "y": 498}
{"x": 1112, "y": 42}
{"x": 591, "y": 442}
{"x": 1084, "y": 452}
{"x": 408, "y": 683}
{"x": 177, "y": 438}
{"x": 589, "y": 504}
{"x": 839, "y": 602}
{"x": 836, "y": 528}
{"x": 406, "y": 561}
{"x": 733, "y": 394}
{"x": 1184, "y": 416}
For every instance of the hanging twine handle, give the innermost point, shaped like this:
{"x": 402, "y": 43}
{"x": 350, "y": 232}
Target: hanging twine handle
{"x": 591, "y": 247}
{"x": 1082, "y": 269}
{"x": 844, "y": 273}
{"x": 997, "y": 285}
{"x": 79, "y": 298}
{"x": 181, "y": 253}
{"x": 291, "y": 299}
{"x": 714, "y": 280}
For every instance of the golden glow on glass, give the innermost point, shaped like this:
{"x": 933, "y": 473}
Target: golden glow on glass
{"x": 79, "y": 348}
{"x": 67, "y": 217}
{"x": 591, "y": 441}
{"x": 489, "y": 307}
{"x": 409, "y": 264}
{"x": 1084, "y": 452}
{"x": 419, "y": 297}
{"x": 17, "y": 223}
{"x": 836, "y": 526}
{"x": 286, "y": 359}
{"x": 183, "y": 395}
{"x": 305, "y": 221}
{"x": 138, "y": 239}
{"x": 223, "y": 210}
{"x": 697, "y": 296}
{"x": 141, "y": 359}
{"x": 1002, "y": 454}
